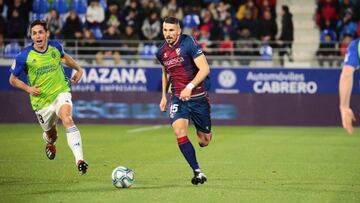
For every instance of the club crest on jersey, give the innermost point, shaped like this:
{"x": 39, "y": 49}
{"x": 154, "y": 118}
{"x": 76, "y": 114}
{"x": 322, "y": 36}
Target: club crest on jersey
{"x": 53, "y": 55}
{"x": 178, "y": 51}
{"x": 165, "y": 55}
{"x": 13, "y": 65}
{"x": 33, "y": 61}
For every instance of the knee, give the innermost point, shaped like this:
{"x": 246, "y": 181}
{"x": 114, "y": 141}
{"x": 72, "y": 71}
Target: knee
{"x": 179, "y": 132}
{"x": 67, "y": 121}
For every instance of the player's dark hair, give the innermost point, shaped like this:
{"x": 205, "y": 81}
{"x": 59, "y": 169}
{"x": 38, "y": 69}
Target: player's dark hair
{"x": 172, "y": 20}
{"x": 39, "y": 22}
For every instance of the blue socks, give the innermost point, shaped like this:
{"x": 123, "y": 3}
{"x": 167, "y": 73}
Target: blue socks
{"x": 188, "y": 151}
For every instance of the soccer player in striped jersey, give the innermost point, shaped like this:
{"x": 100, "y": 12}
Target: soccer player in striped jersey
{"x": 49, "y": 89}
{"x": 185, "y": 68}
{"x": 351, "y": 64}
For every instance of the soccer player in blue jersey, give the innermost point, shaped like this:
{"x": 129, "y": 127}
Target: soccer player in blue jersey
{"x": 351, "y": 64}
{"x": 49, "y": 89}
{"x": 186, "y": 70}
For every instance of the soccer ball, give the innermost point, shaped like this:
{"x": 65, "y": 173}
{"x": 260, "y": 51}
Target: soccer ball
{"x": 122, "y": 177}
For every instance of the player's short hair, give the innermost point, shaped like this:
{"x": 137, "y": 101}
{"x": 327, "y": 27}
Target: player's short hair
{"x": 39, "y": 22}
{"x": 172, "y": 20}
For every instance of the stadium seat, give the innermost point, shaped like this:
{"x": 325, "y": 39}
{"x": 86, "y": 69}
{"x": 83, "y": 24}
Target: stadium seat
{"x": 148, "y": 51}
{"x": 12, "y": 49}
{"x": 61, "y": 6}
{"x": 97, "y": 32}
{"x": 37, "y": 16}
{"x": 79, "y": 6}
{"x": 40, "y": 6}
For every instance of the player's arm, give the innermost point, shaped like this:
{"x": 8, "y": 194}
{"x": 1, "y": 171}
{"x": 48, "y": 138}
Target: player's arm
{"x": 16, "y": 82}
{"x": 204, "y": 70}
{"x": 69, "y": 61}
{"x": 345, "y": 88}
{"x": 165, "y": 86}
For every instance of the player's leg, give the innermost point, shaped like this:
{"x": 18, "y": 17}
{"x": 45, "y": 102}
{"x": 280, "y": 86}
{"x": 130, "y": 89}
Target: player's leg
{"x": 179, "y": 114}
{"x": 47, "y": 120}
{"x": 204, "y": 138}
{"x": 200, "y": 115}
{"x": 64, "y": 111}
{"x": 50, "y": 137}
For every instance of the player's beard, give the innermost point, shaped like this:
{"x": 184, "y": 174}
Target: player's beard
{"x": 171, "y": 41}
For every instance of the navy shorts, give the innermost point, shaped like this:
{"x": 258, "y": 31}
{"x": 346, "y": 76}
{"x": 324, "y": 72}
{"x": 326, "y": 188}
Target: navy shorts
{"x": 196, "y": 109}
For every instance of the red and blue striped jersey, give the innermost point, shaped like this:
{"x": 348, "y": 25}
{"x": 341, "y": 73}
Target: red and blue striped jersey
{"x": 178, "y": 61}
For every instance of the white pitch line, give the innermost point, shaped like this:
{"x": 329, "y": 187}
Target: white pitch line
{"x": 155, "y": 127}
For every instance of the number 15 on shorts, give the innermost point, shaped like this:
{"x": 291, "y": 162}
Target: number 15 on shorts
{"x": 173, "y": 109}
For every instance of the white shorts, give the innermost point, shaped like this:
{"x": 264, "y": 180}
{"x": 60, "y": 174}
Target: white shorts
{"x": 49, "y": 116}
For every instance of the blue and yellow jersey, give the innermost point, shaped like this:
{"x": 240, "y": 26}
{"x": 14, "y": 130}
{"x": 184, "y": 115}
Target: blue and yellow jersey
{"x": 43, "y": 70}
{"x": 352, "y": 56}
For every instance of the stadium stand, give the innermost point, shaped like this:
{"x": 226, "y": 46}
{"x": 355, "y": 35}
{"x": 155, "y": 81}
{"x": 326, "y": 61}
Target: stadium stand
{"x": 225, "y": 29}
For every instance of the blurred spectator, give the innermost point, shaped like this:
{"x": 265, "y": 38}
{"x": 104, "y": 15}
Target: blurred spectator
{"x": 344, "y": 43}
{"x": 129, "y": 42}
{"x": 328, "y": 24}
{"x": 223, "y": 11}
{"x": 228, "y": 28}
{"x": 248, "y": 6}
{"x": 326, "y": 10}
{"x": 80, "y": 7}
{"x": 250, "y": 23}
{"x": 245, "y": 46}
{"x": 287, "y": 34}
{"x": 72, "y": 28}
{"x": 268, "y": 29}
{"x": 150, "y": 6}
{"x": 2, "y": 28}
{"x": 113, "y": 16}
{"x": 327, "y": 51}
{"x": 151, "y": 26}
{"x": 54, "y": 24}
{"x": 95, "y": 14}
{"x": 191, "y": 19}
{"x": 344, "y": 6}
{"x": 267, "y": 3}
{"x": 346, "y": 26}
{"x": 172, "y": 9}
{"x": 110, "y": 40}
{"x": 226, "y": 47}
{"x": 88, "y": 46}
{"x": 16, "y": 26}
{"x": 133, "y": 15}
{"x": 21, "y": 9}
{"x": 329, "y": 32}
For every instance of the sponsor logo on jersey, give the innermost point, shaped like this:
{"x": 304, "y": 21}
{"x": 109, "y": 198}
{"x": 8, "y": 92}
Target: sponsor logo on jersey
{"x": 199, "y": 51}
{"x": 174, "y": 61}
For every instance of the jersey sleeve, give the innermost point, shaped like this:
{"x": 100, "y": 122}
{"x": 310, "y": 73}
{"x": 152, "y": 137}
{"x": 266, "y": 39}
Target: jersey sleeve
{"x": 59, "y": 47}
{"x": 19, "y": 64}
{"x": 352, "y": 55}
{"x": 193, "y": 47}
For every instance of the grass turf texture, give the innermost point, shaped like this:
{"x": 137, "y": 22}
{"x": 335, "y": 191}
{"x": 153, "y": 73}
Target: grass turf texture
{"x": 243, "y": 164}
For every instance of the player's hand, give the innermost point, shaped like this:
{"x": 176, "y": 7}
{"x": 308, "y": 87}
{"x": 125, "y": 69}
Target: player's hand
{"x": 347, "y": 118}
{"x": 162, "y": 104}
{"x": 77, "y": 76}
{"x": 185, "y": 94}
{"x": 34, "y": 90}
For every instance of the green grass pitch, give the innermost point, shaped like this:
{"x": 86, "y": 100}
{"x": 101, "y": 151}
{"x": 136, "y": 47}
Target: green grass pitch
{"x": 243, "y": 164}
